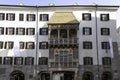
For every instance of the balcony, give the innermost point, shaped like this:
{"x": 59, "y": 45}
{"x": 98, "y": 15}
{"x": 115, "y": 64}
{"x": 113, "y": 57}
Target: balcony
{"x": 63, "y": 41}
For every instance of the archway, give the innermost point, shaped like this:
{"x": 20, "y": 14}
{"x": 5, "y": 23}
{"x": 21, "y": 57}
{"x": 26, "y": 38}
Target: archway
{"x": 107, "y": 76}
{"x": 88, "y": 76}
{"x": 17, "y": 75}
{"x": 44, "y": 76}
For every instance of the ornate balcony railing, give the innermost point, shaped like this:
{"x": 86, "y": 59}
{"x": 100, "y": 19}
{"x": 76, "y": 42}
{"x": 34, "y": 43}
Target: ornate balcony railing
{"x": 63, "y": 41}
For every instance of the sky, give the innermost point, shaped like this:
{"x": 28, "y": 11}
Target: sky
{"x": 64, "y": 2}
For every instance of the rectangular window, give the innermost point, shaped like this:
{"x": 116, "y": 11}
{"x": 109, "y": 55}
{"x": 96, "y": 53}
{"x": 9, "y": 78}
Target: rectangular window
{"x": 44, "y": 17}
{"x": 30, "y": 17}
{"x": 104, "y": 17}
{"x": 10, "y": 31}
{"x": 43, "y": 45}
{"x": 87, "y": 31}
{"x": 88, "y": 60}
{"x": 86, "y": 16}
{"x": 43, "y": 61}
{"x": 1, "y": 45}
{"x": 10, "y": 16}
{"x": 105, "y": 45}
{"x": 30, "y": 31}
{"x": 106, "y": 61}
{"x": 20, "y": 31}
{"x": 43, "y": 31}
{"x": 29, "y": 60}
{"x": 1, "y": 30}
{"x": 0, "y": 60}
{"x": 105, "y": 31}
{"x": 8, "y": 60}
{"x": 30, "y": 45}
{"x": 22, "y": 45}
{"x": 9, "y": 45}
{"x": 18, "y": 60}
{"x": 2, "y": 16}
{"x": 87, "y": 45}
{"x": 21, "y": 17}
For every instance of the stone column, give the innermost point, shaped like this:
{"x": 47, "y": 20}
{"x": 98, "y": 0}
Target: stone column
{"x": 51, "y": 76}
{"x": 75, "y": 75}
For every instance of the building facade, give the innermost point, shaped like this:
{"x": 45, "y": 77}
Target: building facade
{"x": 71, "y": 42}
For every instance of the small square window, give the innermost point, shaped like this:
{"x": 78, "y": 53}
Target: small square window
{"x": 20, "y": 31}
{"x": 43, "y": 45}
{"x": 106, "y": 61}
{"x": 1, "y": 45}
{"x": 10, "y": 31}
{"x": 10, "y": 16}
{"x": 29, "y": 60}
{"x": 87, "y": 45}
{"x": 1, "y": 30}
{"x": 104, "y": 17}
{"x": 88, "y": 60}
{"x": 22, "y": 45}
{"x": 44, "y": 17}
{"x": 2, "y": 16}
{"x": 86, "y": 16}
{"x": 87, "y": 31}
{"x": 18, "y": 60}
{"x": 8, "y": 60}
{"x": 30, "y": 31}
{"x": 43, "y": 31}
{"x": 105, "y": 45}
{"x": 30, "y": 45}
{"x": 105, "y": 31}
{"x": 9, "y": 45}
{"x": 21, "y": 17}
{"x": 43, "y": 61}
{"x": 30, "y": 17}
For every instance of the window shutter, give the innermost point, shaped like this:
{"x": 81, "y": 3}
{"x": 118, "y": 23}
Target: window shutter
{"x": 6, "y": 16}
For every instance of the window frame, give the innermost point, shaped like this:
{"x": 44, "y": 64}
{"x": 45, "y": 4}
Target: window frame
{"x": 88, "y": 60}
{"x": 22, "y": 45}
{"x": 1, "y": 44}
{"x": 45, "y": 46}
{"x": 1, "y": 30}
{"x": 104, "y": 18}
{"x": 43, "y": 31}
{"x": 87, "y": 31}
{"x": 2, "y": 16}
{"x": 28, "y": 46}
{"x": 9, "y": 61}
{"x": 27, "y": 59}
{"x": 105, "y": 31}
{"x": 18, "y": 60}
{"x": 10, "y": 16}
{"x": 10, "y": 31}
{"x": 9, "y": 45}
{"x": 31, "y": 17}
{"x": 30, "y": 31}
{"x": 21, "y": 17}
{"x": 20, "y": 31}
{"x": 43, "y": 61}
{"x": 106, "y": 61}
{"x": 87, "y": 45}
{"x": 44, "y": 17}
{"x": 86, "y": 17}
{"x": 105, "y": 45}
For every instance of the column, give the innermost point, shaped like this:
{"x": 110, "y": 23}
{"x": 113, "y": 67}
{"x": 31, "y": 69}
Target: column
{"x": 58, "y": 35}
{"x": 68, "y": 35}
{"x": 75, "y": 75}
{"x": 51, "y": 76}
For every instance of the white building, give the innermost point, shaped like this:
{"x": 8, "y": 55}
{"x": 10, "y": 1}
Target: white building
{"x": 70, "y": 42}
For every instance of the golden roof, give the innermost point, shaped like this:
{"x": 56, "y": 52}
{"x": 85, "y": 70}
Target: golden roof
{"x": 63, "y": 18}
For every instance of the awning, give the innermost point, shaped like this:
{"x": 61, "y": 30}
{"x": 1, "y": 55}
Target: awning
{"x": 63, "y": 18}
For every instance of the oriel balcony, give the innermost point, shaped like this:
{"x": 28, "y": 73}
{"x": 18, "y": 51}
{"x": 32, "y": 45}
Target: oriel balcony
{"x": 63, "y": 41}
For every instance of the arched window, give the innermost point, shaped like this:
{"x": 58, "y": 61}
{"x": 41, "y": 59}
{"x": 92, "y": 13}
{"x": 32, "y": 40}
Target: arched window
{"x": 106, "y": 76}
{"x": 88, "y": 76}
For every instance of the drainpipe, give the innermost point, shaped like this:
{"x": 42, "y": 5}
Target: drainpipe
{"x": 36, "y": 37}
{"x": 96, "y": 26}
